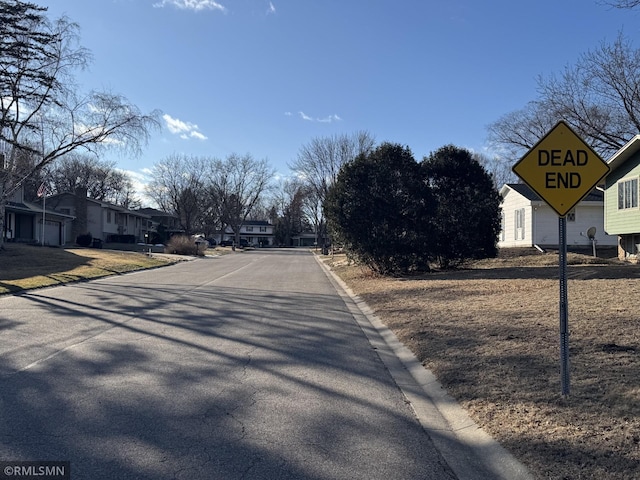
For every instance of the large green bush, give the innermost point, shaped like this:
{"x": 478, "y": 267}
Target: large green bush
{"x": 398, "y": 216}
{"x": 381, "y": 210}
{"x": 84, "y": 240}
{"x": 468, "y": 207}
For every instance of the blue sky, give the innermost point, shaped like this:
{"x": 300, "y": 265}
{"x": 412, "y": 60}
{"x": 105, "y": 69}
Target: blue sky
{"x": 266, "y": 77}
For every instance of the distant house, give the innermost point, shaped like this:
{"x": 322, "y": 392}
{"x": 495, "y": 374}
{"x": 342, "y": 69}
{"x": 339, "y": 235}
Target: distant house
{"x": 255, "y": 232}
{"x": 163, "y": 223}
{"x": 307, "y": 238}
{"x": 24, "y": 220}
{"x": 527, "y": 221}
{"x": 622, "y": 207}
{"x": 103, "y": 220}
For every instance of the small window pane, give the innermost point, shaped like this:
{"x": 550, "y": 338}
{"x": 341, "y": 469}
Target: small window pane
{"x": 620, "y": 196}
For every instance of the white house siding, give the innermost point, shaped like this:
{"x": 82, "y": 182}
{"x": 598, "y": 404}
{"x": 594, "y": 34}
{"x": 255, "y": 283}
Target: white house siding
{"x": 116, "y": 221}
{"x": 544, "y": 225}
{"x": 512, "y": 202}
{"x": 541, "y": 224}
{"x": 110, "y": 222}
{"x": 94, "y": 219}
{"x": 589, "y": 215}
{"x": 252, "y": 234}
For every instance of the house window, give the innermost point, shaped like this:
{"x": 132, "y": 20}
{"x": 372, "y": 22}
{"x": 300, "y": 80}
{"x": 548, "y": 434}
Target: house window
{"x": 571, "y": 216}
{"x": 628, "y": 194}
{"x": 263, "y": 229}
{"x": 249, "y": 229}
{"x": 108, "y": 216}
{"x": 519, "y": 224}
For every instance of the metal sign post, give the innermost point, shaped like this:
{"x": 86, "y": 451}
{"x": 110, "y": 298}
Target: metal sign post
{"x": 564, "y": 307}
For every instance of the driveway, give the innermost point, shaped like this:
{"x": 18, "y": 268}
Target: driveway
{"x": 246, "y": 366}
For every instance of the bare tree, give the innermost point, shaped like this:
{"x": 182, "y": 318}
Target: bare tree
{"x": 100, "y": 178}
{"x": 288, "y": 210}
{"x": 318, "y": 164}
{"x": 598, "y": 97}
{"x": 240, "y": 181}
{"x": 178, "y": 185}
{"x": 498, "y": 168}
{"x": 313, "y": 211}
{"x": 41, "y": 112}
{"x": 127, "y": 196}
{"x": 516, "y": 132}
{"x": 622, "y": 3}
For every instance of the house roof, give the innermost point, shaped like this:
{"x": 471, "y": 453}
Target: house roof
{"x": 622, "y": 155}
{"x": 102, "y": 204}
{"x": 257, "y": 222}
{"x": 28, "y": 207}
{"x": 523, "y": 189}
{"x": 154, "y": 212}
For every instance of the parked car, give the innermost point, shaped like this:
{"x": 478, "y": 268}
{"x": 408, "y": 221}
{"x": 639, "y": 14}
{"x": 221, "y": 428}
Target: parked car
{"x": 229, "y": 243}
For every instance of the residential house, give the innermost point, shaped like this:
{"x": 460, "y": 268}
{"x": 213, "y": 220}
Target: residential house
{"x": 163, "y": 223}
{"x": 103, "y": 220}
{"x": 622, "y": 208}
{"x": 255, "y": 232}
{"x": 307, "y": 238}
{"x": 24, "y": 220}
{"x": 527, "y": 221}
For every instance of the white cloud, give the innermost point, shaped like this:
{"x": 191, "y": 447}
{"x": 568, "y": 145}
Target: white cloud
{"x": 271, "y": 9}
{"x": 185, "y": 130}
{"x": 140, "y": 179}
{"x": 195, "y": 5}
{"x": 329, "y": 119}
{"x": 197, "y": 135}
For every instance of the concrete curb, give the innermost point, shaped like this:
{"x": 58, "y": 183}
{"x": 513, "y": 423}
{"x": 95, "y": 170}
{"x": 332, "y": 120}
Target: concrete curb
{"x": 470, "y": 452}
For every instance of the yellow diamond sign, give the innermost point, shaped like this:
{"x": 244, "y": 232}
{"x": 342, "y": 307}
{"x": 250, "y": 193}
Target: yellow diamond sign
{"x": 561, "y": 168}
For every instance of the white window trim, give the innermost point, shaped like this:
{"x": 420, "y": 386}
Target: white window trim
{"x": 623, "y": 181}
{"x": 519, "y": 224}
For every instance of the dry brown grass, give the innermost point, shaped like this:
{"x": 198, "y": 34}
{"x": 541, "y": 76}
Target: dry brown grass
{"x": 490, "y": 333}
{"x": 23, "y": 267}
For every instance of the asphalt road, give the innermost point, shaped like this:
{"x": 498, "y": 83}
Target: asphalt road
{"x": 246, "y": 366}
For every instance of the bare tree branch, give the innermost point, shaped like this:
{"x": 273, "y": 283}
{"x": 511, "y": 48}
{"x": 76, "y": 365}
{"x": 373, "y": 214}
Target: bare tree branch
{"x": 41, "y": 115}
{"x": 599, "y": 97}
{"x": 622, "y": 4}
{"x": 319, "y": 162}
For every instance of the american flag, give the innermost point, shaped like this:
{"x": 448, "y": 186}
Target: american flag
{"x": 42, "y": 191}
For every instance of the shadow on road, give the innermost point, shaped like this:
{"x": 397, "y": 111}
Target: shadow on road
{"x": 149, "y": 392}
